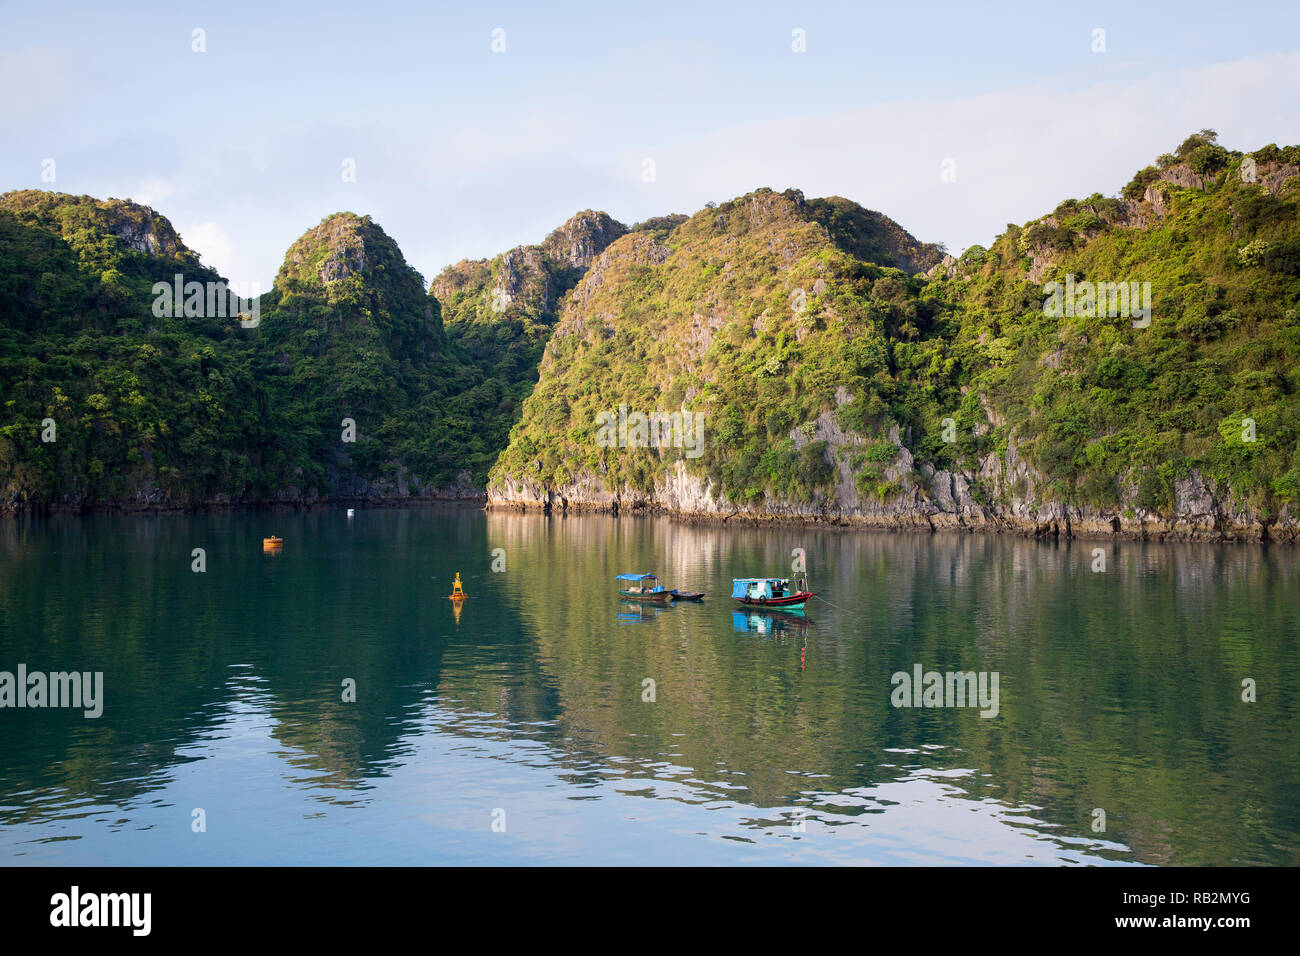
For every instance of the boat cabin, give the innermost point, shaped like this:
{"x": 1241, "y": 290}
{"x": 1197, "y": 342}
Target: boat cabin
{"x": 760, "y": 588}
{"x": 645, "y": 584}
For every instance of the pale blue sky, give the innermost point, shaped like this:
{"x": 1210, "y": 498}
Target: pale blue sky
{"x": 462, "y": 152}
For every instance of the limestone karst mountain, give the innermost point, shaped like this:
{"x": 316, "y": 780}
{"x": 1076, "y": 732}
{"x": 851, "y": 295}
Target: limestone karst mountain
{"x": 837, "y": 388}
{"x": 1124, "y": 363}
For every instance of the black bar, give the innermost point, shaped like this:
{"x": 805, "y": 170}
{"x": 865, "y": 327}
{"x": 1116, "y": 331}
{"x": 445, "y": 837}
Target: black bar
{"x": 946, "y": 906}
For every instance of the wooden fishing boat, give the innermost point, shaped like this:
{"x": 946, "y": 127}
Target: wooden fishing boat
{"x": 272, "y": 544}
{"x": 645, "y": 590}
{"x": 769, "y": 592}
{"x": 687, "y": 595}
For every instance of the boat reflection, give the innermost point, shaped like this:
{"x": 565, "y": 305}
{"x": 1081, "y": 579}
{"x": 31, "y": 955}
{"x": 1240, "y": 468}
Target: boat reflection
{"x": 770, "y": 621}
{"x": 632, "y": 612}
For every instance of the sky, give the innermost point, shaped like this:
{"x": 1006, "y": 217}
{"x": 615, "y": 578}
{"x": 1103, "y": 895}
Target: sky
{"x": 465, "y": 129}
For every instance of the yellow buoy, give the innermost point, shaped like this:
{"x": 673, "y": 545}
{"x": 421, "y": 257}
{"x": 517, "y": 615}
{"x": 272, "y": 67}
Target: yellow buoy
{"x": 457, "y": 597}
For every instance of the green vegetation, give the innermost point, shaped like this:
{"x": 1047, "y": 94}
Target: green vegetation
{"x": 349, "y": 332}
{"x": 765, "y": 314}
{"x": 141, "y": 405}
{"x": 179, "y": 411}
{"x": 756, "y": 314}
{"x": 816, "y": 336}
{"x": 500, "y": 313}
{"x": 1097, "y": 403}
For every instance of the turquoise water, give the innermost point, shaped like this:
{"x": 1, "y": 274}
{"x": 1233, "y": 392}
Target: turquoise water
{"x": 525, "y": 732}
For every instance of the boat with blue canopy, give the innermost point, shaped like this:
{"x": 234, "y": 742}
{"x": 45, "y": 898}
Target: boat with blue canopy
{"x": 769, "y": 592}
{"x": 646, "y": 589}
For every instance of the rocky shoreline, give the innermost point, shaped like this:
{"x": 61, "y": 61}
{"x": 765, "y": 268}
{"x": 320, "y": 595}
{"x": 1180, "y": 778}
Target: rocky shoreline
{"x": 932, "y": 501}
{"x": 1064, "y": 527}
{"x": 1000, "y": 494}
{"x": 1064, "y": 530}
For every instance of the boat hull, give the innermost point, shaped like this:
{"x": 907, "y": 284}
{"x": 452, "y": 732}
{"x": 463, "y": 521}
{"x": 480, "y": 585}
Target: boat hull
{"x": 688, "y": 595}
{"x": 658, "y": 597}
{"x": 791, "y": 601}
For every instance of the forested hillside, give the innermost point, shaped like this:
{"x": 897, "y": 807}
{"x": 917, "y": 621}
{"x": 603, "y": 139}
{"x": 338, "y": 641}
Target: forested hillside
{"x": 345, "y": 384}
{"x": 1124, "y": 363}
{"x": 837, "y": 387}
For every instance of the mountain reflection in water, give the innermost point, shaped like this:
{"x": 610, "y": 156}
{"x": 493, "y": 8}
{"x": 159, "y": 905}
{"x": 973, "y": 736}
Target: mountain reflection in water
{"x": 769, "y": 736}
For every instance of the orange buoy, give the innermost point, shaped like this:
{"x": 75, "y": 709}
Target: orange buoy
{"x": 272, "y": 545}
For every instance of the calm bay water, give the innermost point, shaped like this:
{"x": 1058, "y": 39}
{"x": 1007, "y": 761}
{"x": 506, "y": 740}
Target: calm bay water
{"x": 771, "y": 738}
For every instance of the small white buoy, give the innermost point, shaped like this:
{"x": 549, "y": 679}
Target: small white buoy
{"x": 351, "y": 512}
